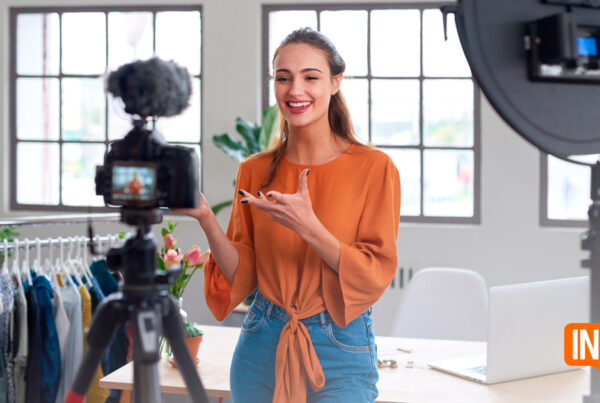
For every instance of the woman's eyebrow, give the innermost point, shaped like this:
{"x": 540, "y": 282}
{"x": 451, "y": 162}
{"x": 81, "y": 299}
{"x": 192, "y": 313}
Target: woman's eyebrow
{"x": 302, "y": 71}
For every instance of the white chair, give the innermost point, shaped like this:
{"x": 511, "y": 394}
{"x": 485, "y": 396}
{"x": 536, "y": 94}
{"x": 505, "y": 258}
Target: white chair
{"x": 443, "y": 303}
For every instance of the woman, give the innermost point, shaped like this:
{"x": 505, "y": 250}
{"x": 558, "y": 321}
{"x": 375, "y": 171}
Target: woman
{"x": 320, "y": 249}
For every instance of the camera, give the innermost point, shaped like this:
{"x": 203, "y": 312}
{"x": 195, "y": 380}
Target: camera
{"x": 141, "y": 171}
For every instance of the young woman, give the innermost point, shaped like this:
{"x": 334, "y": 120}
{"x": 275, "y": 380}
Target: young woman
{"x": 321, "y": 248}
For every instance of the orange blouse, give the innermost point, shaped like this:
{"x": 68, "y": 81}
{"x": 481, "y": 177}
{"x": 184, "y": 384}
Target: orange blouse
{"x": 357, "y": 198}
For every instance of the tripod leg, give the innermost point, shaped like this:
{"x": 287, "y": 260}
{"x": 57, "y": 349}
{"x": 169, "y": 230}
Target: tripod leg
{"x": 173, "y": 331}
{"x": 108, "y": 319}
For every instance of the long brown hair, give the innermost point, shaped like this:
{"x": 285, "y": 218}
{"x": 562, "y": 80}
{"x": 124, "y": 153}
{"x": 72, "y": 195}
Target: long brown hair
{"x": 339, "y": 116}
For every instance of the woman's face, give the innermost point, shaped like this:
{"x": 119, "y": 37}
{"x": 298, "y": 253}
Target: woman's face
{"x": 303, "y": 84}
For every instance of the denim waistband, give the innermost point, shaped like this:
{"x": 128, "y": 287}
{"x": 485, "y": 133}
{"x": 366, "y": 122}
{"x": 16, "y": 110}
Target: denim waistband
{"x": 273, "y": 310}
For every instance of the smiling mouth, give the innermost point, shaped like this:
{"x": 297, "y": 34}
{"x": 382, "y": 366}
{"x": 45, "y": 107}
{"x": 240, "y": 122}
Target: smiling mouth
{"x": 298, "y": 107}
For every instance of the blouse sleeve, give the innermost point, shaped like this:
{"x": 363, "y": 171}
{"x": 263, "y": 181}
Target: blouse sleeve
{"x": 368, "y": 264}
{"x": 222, "y": 297}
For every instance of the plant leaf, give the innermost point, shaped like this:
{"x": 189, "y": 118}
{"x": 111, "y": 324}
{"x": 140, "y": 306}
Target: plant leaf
{"x": 234, "y": 149}
{"x": 246, "y": 130}
{"x": 164, "y": 232}
{"x": 218, "y": 207}
{"x": 160, "y": 263}
{"x": 170, "y": 225}
{"x": 269, "y": 126}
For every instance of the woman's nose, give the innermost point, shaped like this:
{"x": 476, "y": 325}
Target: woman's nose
{"x": 296, "y": 88}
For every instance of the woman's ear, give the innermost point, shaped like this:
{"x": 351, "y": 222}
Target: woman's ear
{"x": 336, "y": 81}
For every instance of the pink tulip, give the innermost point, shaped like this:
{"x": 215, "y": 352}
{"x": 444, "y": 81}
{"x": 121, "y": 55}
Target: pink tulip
{"x": 172, "y": 257}
{"x": 193, "y": 256}
{"x": 170, "y": 241}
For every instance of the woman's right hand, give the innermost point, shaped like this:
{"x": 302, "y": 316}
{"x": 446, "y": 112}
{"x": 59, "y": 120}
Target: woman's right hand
{"x": 199, "y": 213}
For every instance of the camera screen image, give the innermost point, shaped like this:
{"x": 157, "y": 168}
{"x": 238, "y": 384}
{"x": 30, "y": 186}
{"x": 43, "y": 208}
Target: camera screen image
{"x": 133, "y": 183}
{"x": 587, "y": 46}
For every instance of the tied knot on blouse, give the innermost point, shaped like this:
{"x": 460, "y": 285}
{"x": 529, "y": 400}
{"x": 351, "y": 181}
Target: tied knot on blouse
{"x": 295, "y": 341}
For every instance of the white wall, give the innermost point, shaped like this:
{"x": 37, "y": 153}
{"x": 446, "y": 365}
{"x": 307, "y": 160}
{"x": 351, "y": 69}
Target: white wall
{"x": 508, "y": 247}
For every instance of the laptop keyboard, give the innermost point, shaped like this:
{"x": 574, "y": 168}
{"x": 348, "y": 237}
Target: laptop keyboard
{"x": 478, "y": 370}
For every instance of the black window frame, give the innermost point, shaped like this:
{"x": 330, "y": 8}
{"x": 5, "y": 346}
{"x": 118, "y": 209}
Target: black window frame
{"x": 14, "y": 13}
{"x": 475, "y": 219}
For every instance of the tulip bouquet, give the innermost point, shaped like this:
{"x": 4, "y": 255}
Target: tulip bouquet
{"x": 170, "y": 255}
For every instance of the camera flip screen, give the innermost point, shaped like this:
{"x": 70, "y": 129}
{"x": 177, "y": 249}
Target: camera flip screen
{"x": 133, "y": 184}
{"x": 586, "y": 46}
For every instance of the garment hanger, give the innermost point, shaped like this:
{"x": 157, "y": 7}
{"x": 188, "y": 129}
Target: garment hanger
{"x": 79, "y": 261}
{"x": 25, "y": 265}
{"x": 70, "y": 265}
{"x": 86, "y": 263}
{"x": 48, "y": 269}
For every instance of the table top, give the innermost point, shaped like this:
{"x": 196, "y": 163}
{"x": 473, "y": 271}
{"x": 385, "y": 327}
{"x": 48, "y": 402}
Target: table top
{"x": 401, "y": 384}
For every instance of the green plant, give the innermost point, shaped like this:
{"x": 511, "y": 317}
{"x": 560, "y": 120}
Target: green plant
{"x": 256, "y": 139}
{"x": 9, "y": 234}
{"x": 192, "y": 329}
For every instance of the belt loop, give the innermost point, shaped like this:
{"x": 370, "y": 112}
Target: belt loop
{"x": 269, "y": 309}
{"x": 322, "y": 319}
{"x": 370, "y": 310}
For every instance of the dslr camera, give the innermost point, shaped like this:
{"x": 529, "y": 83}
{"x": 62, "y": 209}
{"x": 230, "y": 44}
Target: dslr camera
{"x": 141, "y": 171}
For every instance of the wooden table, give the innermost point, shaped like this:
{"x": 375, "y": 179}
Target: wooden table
{"x": 402, "y": 384}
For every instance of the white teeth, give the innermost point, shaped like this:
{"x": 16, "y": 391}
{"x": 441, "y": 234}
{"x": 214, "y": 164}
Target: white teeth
{"x": 298, "y": 104}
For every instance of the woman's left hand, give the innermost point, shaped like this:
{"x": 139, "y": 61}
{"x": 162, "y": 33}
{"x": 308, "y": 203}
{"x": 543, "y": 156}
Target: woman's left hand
{"x": 291, "y": 210}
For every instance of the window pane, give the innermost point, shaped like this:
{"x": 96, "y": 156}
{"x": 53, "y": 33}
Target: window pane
{"x": 84, "y": 43}
{"x": 356, "y": 93}
{"x": 186, "y": 126}
{"x": 129, "y": 38}
{"x": 178, "y": 38}
{"x": 272, "y": 100}
{"x": 38, "y": 44}
{"x": 395, "y": 42}
{"x": 348, "y": 32}
{"x": 395, "y": 114}
{"x": 83, "y": 109}
{"x": 79, "y": 169}
{"x": 568, "y": 190}
{"x": 37, "y": 108}
{"x": 281, "y": 23}
{"x": 442, "y": 58}
{"x": 408, "y": 163}
{"x": 448, "y": 113}
{"x": 119, "y": 122}
{"x": 448, "y": 183}
{"x": 37, "y": 173}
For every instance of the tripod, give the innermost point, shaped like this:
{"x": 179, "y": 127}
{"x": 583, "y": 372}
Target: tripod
{"x": 144, "y": 301}
{"x": 591, "y": 241}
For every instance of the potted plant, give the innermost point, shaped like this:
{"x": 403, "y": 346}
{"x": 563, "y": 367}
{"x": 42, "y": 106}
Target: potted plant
{"x": 193, "y": 338}
{"x": 170, "y": 257}
{"x": 256, "y": 138}
{"x": 9, "y": 234}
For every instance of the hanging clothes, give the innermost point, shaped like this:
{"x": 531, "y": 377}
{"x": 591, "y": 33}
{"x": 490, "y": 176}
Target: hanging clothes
{"x": 7, "y": 391}
{"x": 49, "y": 359}
{"x": 63, "y": 325}
{"x": 74, "y": 345}
{"x": 116, "y": 355}
{"x": 22, "y": 335}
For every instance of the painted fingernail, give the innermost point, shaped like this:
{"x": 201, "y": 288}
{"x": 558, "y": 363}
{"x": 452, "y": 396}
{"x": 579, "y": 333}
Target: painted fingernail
{"x": 258, "y": 193}
{"x": 269, "y": 195}
{"x": 307, "y": 172}
{"x": 240, "y": 192}
{"x": 244, "y": 201}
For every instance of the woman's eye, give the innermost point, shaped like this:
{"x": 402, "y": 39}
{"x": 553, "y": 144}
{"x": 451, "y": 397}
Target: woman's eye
{"x": 281, "y": 79}
{"x": 312, "y": 78}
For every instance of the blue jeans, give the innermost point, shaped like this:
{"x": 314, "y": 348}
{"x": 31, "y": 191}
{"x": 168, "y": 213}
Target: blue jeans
{"x": 347, "y": 355}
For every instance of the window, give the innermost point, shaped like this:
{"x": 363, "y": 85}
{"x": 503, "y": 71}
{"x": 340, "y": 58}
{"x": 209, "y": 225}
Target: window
{"x": 410, "y": 94}
{"x": 565, "y": 192}
{"x": 61, "y": 119}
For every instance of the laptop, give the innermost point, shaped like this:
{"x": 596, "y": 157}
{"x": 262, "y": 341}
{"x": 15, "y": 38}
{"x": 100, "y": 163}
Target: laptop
{"x": 525, "y": 331}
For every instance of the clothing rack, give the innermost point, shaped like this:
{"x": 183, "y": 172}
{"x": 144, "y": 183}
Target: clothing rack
{"x": 47, "y": 243}
{"x": 78, "y": 219}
